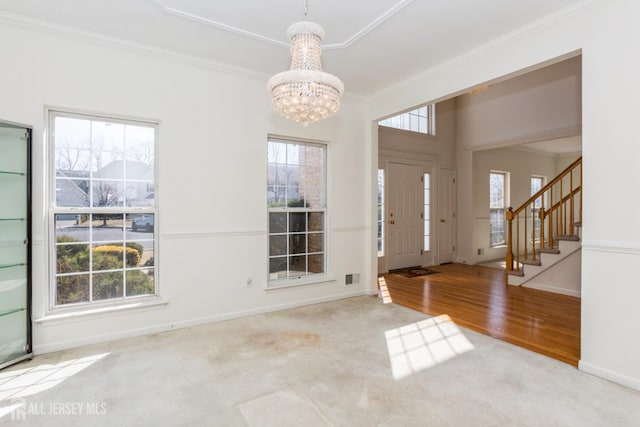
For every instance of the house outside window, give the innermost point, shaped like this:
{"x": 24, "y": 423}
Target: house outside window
{"x": 498, "y": 182}
{"x": 420, "y": 120}
{"x": 104, "y": 210}
{"x": 296, "y": 204}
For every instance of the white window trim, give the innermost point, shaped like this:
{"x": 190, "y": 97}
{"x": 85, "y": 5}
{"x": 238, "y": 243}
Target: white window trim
{"x": 427, "y": 204}
{"x": 64, "y": 314}
{"x": 310, "y": 279}
{"x": 544, "y": 182}
{"x": 314, "y": 278}
{"x": 66, "y": 311}
{"x": 507, "y": 192}
{"x": 431, "y": 121}
{"x": 383, "y": 252}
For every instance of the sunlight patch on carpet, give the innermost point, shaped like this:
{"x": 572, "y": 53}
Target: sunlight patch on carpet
{"x": 418, "y": 346}
{"x": 17, "y": 384}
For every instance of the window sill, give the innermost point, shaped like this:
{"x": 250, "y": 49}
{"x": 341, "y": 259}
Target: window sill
{"x": 294, "y": 283}
{"x": 85, "y": 312}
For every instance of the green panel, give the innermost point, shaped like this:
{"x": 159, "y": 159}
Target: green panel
{"x": 13, "y": 196}
{"x": 13, "y": 149}
{"x": 14, "y": 313}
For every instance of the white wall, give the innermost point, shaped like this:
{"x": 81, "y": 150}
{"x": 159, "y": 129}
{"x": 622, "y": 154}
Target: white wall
{"x": 439, "y": 148}
{"x": 211, "y": 183}
{"x": 603, "y": 31}
{"x": 566, "y": 159}
{"x": 542, "y": 105}
{"x": 520, "y": 164}
{"x": 429, "y": 151}
{"x": 562, "y": 278}
{"x": 539, "y": 105}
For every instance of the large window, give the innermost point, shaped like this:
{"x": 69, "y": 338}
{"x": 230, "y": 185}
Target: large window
{"x": 104, "y": 208}
{"x": 497, "y": 207}
{"x": 421, "y": 120}
{"x": 296, "y": 201}
{"x": 381, "y": 212}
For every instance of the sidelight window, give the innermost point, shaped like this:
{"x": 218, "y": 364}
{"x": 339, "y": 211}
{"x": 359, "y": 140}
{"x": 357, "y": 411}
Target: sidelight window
{"x": 381, "y": 213}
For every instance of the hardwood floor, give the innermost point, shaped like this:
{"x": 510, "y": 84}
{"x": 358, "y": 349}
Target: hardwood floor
{"x": 477, "y": 297}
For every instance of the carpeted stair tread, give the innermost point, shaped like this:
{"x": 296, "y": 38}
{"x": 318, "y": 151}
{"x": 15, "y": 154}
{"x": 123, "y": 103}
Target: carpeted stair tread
{"x": 568, "y": 237}
{"x": 549, "y": 250}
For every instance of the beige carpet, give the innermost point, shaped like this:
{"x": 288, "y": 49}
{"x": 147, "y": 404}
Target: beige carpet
{"x": 355, "y": 362}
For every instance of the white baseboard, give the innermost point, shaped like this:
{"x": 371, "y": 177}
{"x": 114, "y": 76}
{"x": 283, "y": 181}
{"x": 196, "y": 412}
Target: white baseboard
{"x": 130, "y": 333}
{"x": 607, "y": 374}
{"x": 553, "y": 289}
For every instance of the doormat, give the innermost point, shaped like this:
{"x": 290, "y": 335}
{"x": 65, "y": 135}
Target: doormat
{"x": 413, "y": 272}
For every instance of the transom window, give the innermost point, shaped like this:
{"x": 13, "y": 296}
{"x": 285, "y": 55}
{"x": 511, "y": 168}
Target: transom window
{"x": 296, "y": 202}
{"x": 419, "y": 120}
{"x": 104, "y": 208}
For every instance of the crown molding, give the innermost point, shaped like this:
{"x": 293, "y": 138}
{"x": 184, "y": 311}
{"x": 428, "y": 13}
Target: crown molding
{"x": 140, "y": 48}
{"x": 255, "y": 36}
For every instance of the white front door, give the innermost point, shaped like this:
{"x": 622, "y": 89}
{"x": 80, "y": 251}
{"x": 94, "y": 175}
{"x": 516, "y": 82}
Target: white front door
{"x": 403, "y": 219}
{"x": 446, "y": 215}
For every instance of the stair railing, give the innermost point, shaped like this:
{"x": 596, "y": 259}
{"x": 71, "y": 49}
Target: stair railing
{"x": 553, "y": 211}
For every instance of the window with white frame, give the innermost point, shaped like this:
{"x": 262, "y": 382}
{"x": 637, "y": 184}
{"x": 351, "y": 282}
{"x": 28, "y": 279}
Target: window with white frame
{"x": 426, "y": 215}
{"x": 380, "y": 212}
{"x": 497, "y": 207}
{"x": 104, "y": 208}
{"x": 537, "y": 182}
{"x": 420, "y": 120}
{"x": 296, "y": 202}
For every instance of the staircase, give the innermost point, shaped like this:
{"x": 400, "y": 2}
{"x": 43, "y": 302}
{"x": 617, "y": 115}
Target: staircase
{"x": 543, "y": 236}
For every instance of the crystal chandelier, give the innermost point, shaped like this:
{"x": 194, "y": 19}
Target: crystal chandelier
{"x": 305, "y": 93}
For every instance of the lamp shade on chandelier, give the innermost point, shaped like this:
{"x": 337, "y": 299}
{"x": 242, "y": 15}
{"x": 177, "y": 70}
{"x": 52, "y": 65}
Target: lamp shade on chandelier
{"x": 305, "y": 93}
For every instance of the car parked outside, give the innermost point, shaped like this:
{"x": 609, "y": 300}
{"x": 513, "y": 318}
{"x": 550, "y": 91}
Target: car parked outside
{"x": 144, "y": 222}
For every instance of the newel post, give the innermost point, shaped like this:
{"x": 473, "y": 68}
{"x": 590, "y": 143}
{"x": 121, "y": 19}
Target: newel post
{"x": 509, "y": 263}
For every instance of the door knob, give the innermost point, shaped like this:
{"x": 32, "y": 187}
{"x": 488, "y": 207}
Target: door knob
{"x": 392, "y": 222}
{"x": 443, "y": 221}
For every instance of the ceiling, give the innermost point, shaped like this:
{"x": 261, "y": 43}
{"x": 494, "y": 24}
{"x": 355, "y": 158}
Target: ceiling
{"x": 558, "y": 146}
{"x": 369, "y": 44}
